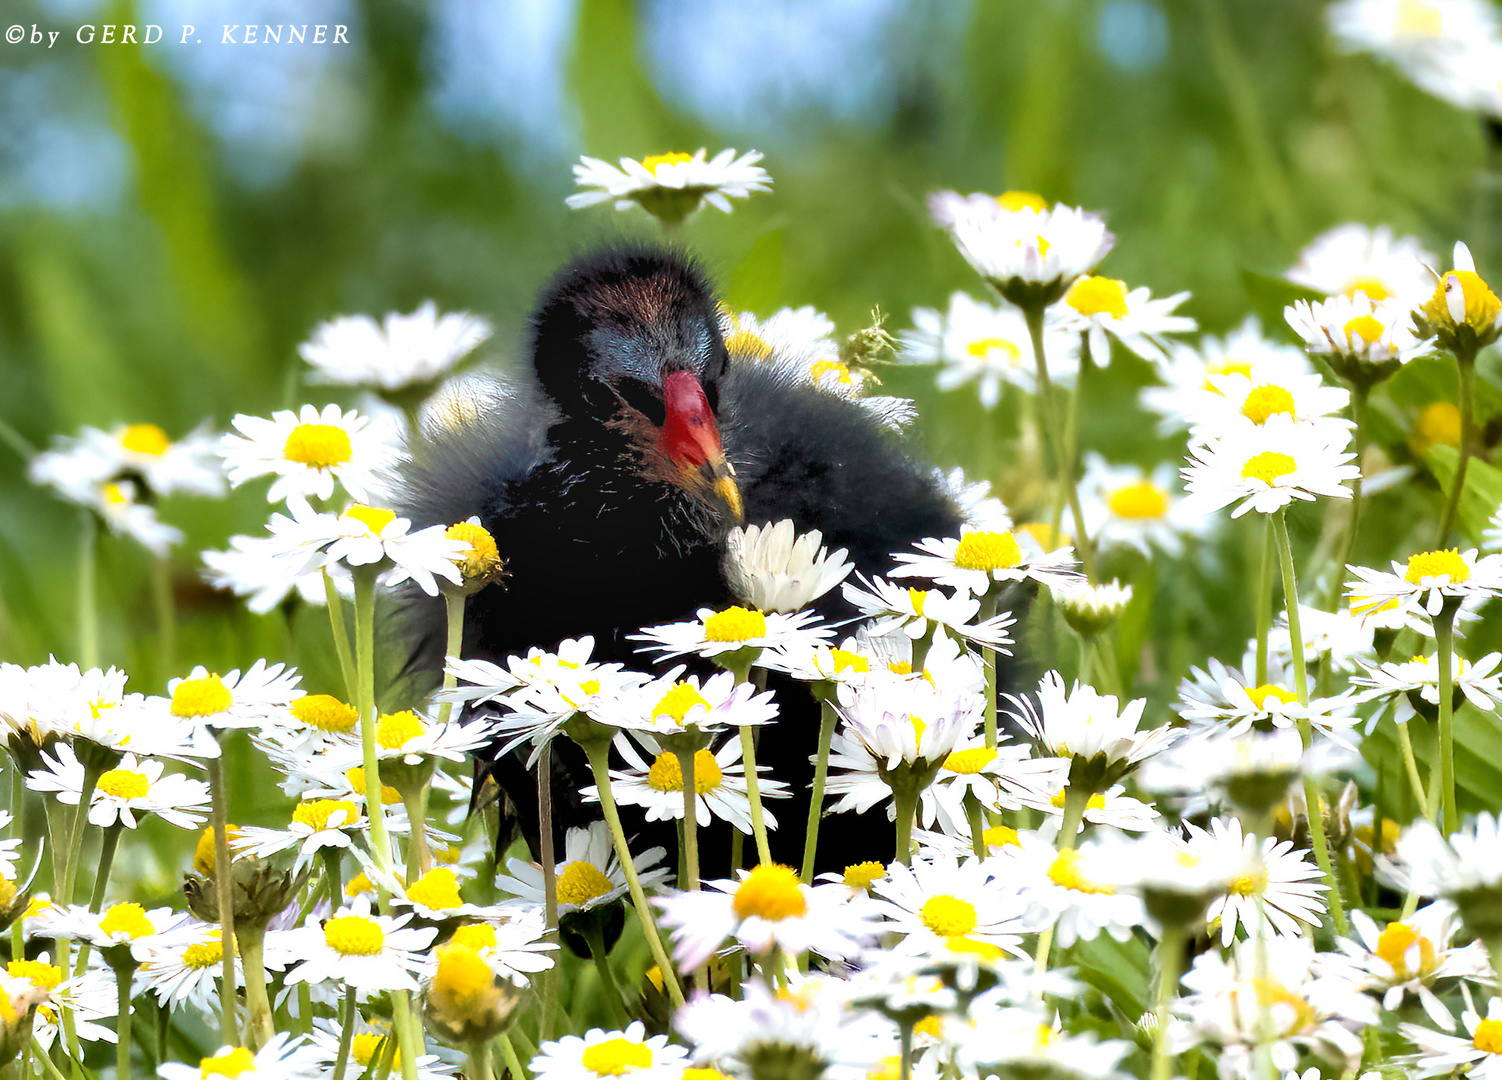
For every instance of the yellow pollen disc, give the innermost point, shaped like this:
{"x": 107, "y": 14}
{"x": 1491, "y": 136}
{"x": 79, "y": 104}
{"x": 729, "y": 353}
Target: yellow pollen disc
{"x": 735, "y": 624}
{"x": 616, "y": 1057}
{"x": 1438, "y": 424}
{"x": 581, "y": 881}
{"x": 1012, "y": 201}
{"x": 204, "y": 850}
{"x": 1393, "y": 945}
{"x": 994, "y": 350}
{"x": 888, "y": 1068}
{"x": 356, "y": 777}
{"x": 1488, "y": 1036}
{"x": 667, "y": 775}
{"x": 677, "y": 702}
{"x": 204, "y": 955}
{"x": 1435, "y": 564}
{"x": 929, "y": 1026}
{"x": 860, "y": 875}
{"x": 357, "y": 885}
{"x": 702, "y": 1074}
{"x": 900, "y": 667}
{"x": 437, "y": 889}
{"x": 461, "y": 973}
{"x": 325, "y": 712}
{"x": 1268, "y": 466}
{"x": 229, "y": 1063}
{"x": 845, "y": 660}
{"x": 353, "y": 935}
{"x": 1481, "y": 304}
{"x": 1048, "y": 538}
{"x": 124, "y": 784}
{"x": 821, "y": 368}
{"x": 364, "y": 1047}
{"x": 201, "y": 697}
{"x": 1065, "y": 871}
{"x": 770, "y": 891}
{"x": 475, "y": 936}
{"x": 1095, "y": 802}
{"x": 966, "y": 946}
{"x": 1260, "y": 695}
{"x": 987, "y": 551}
{"x": 1267, "y": 400}
{"x": 1142, "y": 501}
{"x": 672, "y": 157}
{"x": 1272, "y": 992}
{"x": 1366, "y": 327}
{"x": 969, "y": 762}
{"x": 1249, "y": 884}
{"x": 1000, "y": 836}
{"x": 127, "y": 919}
{"x": 948, "y": 916}
{"x": 395, "y": 730}
{"x": 745, "y": 343}
{"x": 373, "y": 518}
{"x": 41, "y": 975}
{"x": 917, "y": 597}
{"x": 1098, "y": 296}
{"x": 315, "y": 813}
{"x": 36, "y": 905}
{"x": 1417, "y": 18}
{"x": 319, "y": 446}
{"x": 483, "y": 558}
{"x": 7, "y": 892}
{"x": 145, "y": 439}
{"x": 1375, "y": 289}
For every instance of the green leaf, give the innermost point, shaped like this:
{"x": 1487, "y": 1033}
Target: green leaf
{"x": 1118, "y": 969}
{"x": 757, "y": 279}
{"x": 1270, "y": 295}
{"x": 1483, "y": 488}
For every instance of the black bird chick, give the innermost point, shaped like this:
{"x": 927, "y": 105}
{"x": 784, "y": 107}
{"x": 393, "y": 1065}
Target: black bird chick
{"x": 609, "y": 475}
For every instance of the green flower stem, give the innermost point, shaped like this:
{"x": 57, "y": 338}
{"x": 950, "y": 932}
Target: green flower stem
{"x": 73, "y": 854}
{"x": 1049, "y": 421}
{"x": 346, "y": 1032}
{"x": 1359, "y": 393}
{"x": 252, "y": 944}
{"x": 1170, "y": 955}
{"x": 1494, "y": 951}
{"x": 753, "y": 793}
{"x": 419, "y": 856}
{"x": 988, "y": 666}
{"x": 1465, "y": 364}
{"x": 906, "y": 1036}
{"x": 365, "y": 705}
{"x": 333, "y": 879}
{"x": 41, "y": 1055}
{"x": 408, "y": 1033}
{"x": 547, "y": 988}
{"x": 1040, "y": 953}
{"x": 1411, "y": 766}
{"x": 479, "y": 1062}
{"x": 341, "y": 636}
{"x": 513, "y": 1066}
{"x": 1313, "y": 805}
{"x": 690, "y": 823}
{"x": 88, "y": 592}
{"x": 166, "y": 610}
{"x": 453, "y": 605}
{"x": 1076, "y": 802}
{"x": 107, "y": 849}
{"x": 1264, "y": 599}
{"x": 123, "y": 973}
{"x": 599, "y": 764}
{"x": 223, "y": 896}
{"x": 1444, "y": 638}
{"x": 825, "y": 693}
{"x": 594, "y": 936}
{"x": 906, "y": 801}
{"x": 977, "y": 819}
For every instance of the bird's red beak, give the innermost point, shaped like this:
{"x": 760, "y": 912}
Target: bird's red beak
{"x": 691, "y": 441}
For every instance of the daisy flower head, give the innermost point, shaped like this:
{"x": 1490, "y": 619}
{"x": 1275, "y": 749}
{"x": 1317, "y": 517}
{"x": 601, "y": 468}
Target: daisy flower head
{"x": 1364, "y": 341}
{"x": 182, "y": 966}
{"x": 1005, "y": 776}
{"x": 1102, "y": 306}
{"x": 411, "y": 737}
{"x": 1049, "y": 790}
{"x": 1252, "y": 771}
{"x": 1272, "y": 881}
{"x": 1355, "y": 258}
{"x": 400, "y": 351}
{"x": 736, "y": 630}
{"x": 910, "y": 722}
{"x": 1127, "y": 506}
{"x": 371, "y": 536}
{"x": 308, "y": 452}
{"x": 263, "y": 573}
{"x": 1411, "y": 687}
{"x": 1412, "y": 33}
{"x": 945, "y": 207}
{"x": 720, "y": 784}
{"x": 679, "y": 704}
{"x": 1223, "y": 699}
{"x": 987, "y": 344}
{"x": 118, "y": 926}
{"x": 774, "y": 568}
{"x": 260, "y": 695}
{"x": 1238, "y": 400}
{"x": 670, "y": 186}
{"x": 1464, "y": 313}
{"x": 1030, "y": 256}
{"x": 124, "y": 794}
{"x": 589, "y": 874}
{"x": 1070, "y": 889}
{"x": 1012, "y": 1040}
{"x": 1264, "y": 467}
{"x": 762, "y": 909}
{"x": 317, "y": 825}
{"x": 1187, "y": 371}
{"x": 1396, "y": 959}
{"x": 514, "y": 948}
{"x": 1177, "y": 883}
{"x": 1478, "y": 1053}
{"x": 284, "y": 1057}
{"x": 925, "y": 613}
{"x": 1428, "y": 581}
{"x": 977, "y": 561}
{"x": 142, "y": 453}
{"x": 1092, "y": 609}
{"x": 362, "y": 950}
{"x": 119, "y": 504}
{"x": 940, "y": 898}
{"x": 1099, "y": 735}
{"x": 1339, "y": 638}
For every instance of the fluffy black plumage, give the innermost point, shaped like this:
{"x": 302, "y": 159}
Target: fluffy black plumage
{"x": 609, "y": 522}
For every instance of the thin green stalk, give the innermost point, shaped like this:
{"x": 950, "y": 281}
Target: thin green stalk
{"x": 1076, "y": 802}
{"x": 96, "y": 899}
{"x": 224, "y": 896}
{"x": 365, "y": 705}
{"x": 513, "y": 1066}
{"x": 409, "y": 1038}
{"x": 548, "y": 981}
{"x": 479, "y": 1062}
{"x": 346, "y": 1032}
{"x": 599, "y": 764}
{"x": 333, "y": 878}
{"x": 753, "y": 793}
{"x": 123, "y": 973}
{"x": 260, "y": 1026}
{"x": 1444, "y": 637}
{"x": 1466, "y": 367}
{"x": 419, "y": 856}
{"x": 1040, "y": 953}
{"x": 905, "y": 1030}
{"x": 1411, "y": 766}
{"x": 1170, "y": 956}
{"x": 988, "y": 667}
{"x": 1359, "y": 392}
{"x": 1264, "y": 600}
{"x": 821, "y": 775}
{"x": 453, "y": 606}
{"x": 976, "y": 817}
{"x": 88, "y": 593}
{"x": 39, "y": 1054}
{"x": 1034, "y": 315}
{"x": 92, "y": 771}
{"x": 341, "y": 636}
{"x": 594, "y": 936}
{"x": 906, "y": 804}
{"x": 166, "y": 611}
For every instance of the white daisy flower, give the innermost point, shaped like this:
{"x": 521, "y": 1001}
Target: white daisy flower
{"x": 1188, "y": 370}
{"x": 1274, "y": 881}
{"x": 774, "y": 568}
{"x": 1003, "y": 777}
{"x": 1126, "y": 506}
{"x": 1407, "y": 684}
{"x": 284, "y": 1057}
{"x": 79, "y": 1000}
{"x": 368, "y": 952}
{"x": 1478, "y": 1055}
{"x": 143, "y": 453}
{"x": 978, "y": 561}
{"x": 1412, "y": 33}
{"x": 670, "y": 186}
{"x": 589, "y": 873}
{"x": 130, "y": 790}
{"x": 118, "y": 504}
{"x": 402, "y": 350}
{"x": 715, "y": 633}
{"x": 1339, "y": 638}
{"x": 317, "y": 825}
{"x": 1032, "y": 254}
{"x": 940, "y": 898}
{"x": 987, "y": 344}
{"x": 516, "y": 948}
{"x": 1466, "y": 78}
{"x": 719, "y": 782}
{"x": 1069, "y": 889}
{"x": 308, "y": 452}
{"x": 1236, "y": 401}
{"x": 365, "y": 535}
{"x": 183, "y": 966}
{"x": 118, "y": 924}
{"x": 1089, "y": 727}
{"x": 1099, "y": 306}
{"x": 945, "y": 207}
{"x": 920, "y": 612}
{"x": 1354, "y": 258}
{"x": 1251, "y": 771}
{"x": 1468, "y": 863}
{"x": 261, "y": 695}
{"x": 677, "y": 704}
{"x": 365, "y": 1049}
{"x": 602, "y": 1053}
{"x": 1265, "y": 467}
{"x": 1428, "y": 580}
{"x": 1356, "y": 330}
{"x": 1224, "y": 699}
{"x": 313, "y": 724}
{"x": 264, "y": 573}
{"x": 1113, "y": 807}
{"x": 1008, "y": 1040}
{"x": 1410, "y": 956}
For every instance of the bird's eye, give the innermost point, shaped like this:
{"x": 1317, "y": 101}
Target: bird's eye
{"x": 643, "y": 398}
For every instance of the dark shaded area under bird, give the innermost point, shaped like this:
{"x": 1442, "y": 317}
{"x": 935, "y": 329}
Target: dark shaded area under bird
{"x": 609, "y": 473}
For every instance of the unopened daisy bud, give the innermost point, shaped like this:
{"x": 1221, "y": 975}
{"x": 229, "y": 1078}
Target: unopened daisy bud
{"x": 466, "y": 1005}
{"x": 1464, "y": 313}
{"x": 1090, "y": 609}
{"x": 482, "y": 564}
{"x": 774, "y": 568}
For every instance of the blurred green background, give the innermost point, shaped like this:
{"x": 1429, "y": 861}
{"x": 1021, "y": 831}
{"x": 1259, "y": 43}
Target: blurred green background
{"x": 175, "y": 219}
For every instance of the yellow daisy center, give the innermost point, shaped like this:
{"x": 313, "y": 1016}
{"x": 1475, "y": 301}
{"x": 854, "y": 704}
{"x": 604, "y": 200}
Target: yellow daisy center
{"x": 356, "y": 777}
{"x": 483, "y": 558}
{"x": 1434, "y": 564}
{"x": 1488, "y": 1036}
{"x": 770, "y": 891}
{"x": 1095, "y": 802}
{"x": 1481, "y": 304}
{"x": 821, "y": 368}
{"x": 1417, "y": 18}
{"x": 461, "y": 973}
{"x": 1250, "y": 884}
{"x": 1012, "y": 201}
{"x": 616, "y": 1057}
{"x": 667, "y": 775}
{"x": 582, "y": 881}
{"x": 354, "y": 935}
{"x": 127, "y": 919}
{"x": 372, "y": 517}
{"x": 395, "y": 730}
{"x": 987, "y": 551}
{"x": 1367, "y": 327}
{"x": 1268, "y": 466}
{"x": 145, "y": 439}
{"x": 677, "y": 702}
{"x": 476, "y": 936}
{"x": 1143, "y": 501}
{"x": 994, "y": 350}
{"x": 229, "y": 1063}
{"x": 325, "y": 712}
{"x": 204, "y": 955}
{"x": 1272, "y": 992}
{"x": 1375, "y": 289}
{"x": 1000, "y": 836}
{"x": 918, "y": 598}
{"x": 860, "y": 875}
{"x": 1393, "y": 945}
{"x": 437, "y": 889}
{"x": 315, "y": 813}
{"x": 1267, "y": 400}
{"x": 357, "y": 885}
{"x": 1065, "y": 871}
{"x": 948, "y": 916}
{"x": 42, "y": 975}
{"x": 970, "y": 762}
{"x": 845, "y": 660}
{"x": 124, "y": 784}
{"x": 735, "y": 624}
{"x": 201, "y": 697}
{"x": 1261, "y": 694}
{"x": 672, "y": 157}
{"x": 204, "y": 850}
{"x": 1098, "y": 296}
{"x": 319, "y": 446}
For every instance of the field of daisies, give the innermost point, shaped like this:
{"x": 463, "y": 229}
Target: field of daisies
{"x": 1124, "y": 847}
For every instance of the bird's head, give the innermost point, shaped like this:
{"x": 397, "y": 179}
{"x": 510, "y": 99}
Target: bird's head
{"x": 629, "y": 338}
